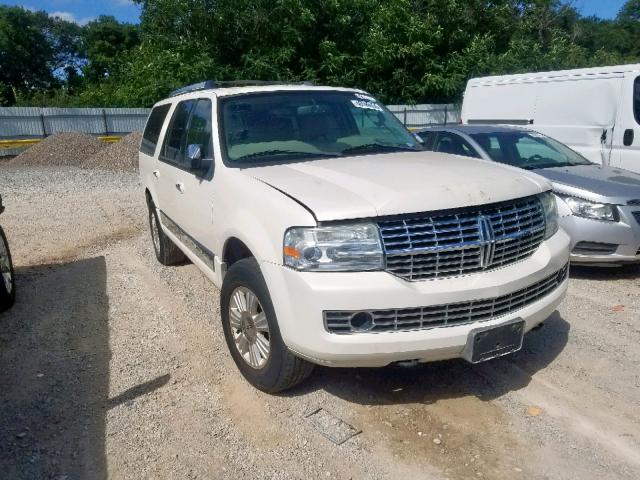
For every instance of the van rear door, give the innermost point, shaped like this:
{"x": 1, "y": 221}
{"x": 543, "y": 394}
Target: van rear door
{"x": 626, "y": 137}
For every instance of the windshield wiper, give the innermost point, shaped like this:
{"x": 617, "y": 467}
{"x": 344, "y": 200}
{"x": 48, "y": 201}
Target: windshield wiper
{"x": 549, "y": 165}
{"x": 377, "y": 146}
{"x": 273, "y": 153}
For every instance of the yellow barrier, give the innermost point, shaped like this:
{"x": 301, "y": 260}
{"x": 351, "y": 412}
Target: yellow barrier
{"x": 31, "y": 141}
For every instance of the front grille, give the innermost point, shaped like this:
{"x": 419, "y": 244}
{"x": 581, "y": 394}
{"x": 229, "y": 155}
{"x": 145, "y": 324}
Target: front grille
{"x": 594, "y": 248}
{"x": 421, "y": 318}
{"x": 464, "y": 241}
{"x": 637, "y": 216}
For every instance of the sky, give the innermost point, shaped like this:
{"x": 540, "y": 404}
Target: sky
{"x": 599, "y": 8}
{"x": 83, "y": 11}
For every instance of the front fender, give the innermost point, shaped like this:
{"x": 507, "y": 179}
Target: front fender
{"x": 260, "y": 219}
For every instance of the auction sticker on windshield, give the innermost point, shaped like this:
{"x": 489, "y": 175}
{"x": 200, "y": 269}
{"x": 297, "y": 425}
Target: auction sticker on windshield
{"x": 366, "y": 104}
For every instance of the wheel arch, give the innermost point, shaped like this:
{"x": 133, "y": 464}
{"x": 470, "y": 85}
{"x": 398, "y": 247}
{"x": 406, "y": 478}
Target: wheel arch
{"x": 234, "y": 250}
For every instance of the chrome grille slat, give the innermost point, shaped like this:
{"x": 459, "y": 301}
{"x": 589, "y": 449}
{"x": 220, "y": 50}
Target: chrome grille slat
{"x": 403, "y": 319}
{"x": 441, "y": 245}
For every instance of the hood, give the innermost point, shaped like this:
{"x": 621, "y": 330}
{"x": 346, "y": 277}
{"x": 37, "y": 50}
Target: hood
{"x": 395, "y": 183}
{"x": 597, "y": 182}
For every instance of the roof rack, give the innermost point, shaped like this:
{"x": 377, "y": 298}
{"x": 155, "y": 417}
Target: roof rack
{"x": 210, "y": 84}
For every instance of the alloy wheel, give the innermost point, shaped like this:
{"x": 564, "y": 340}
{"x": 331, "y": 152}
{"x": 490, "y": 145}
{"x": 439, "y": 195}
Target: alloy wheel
{"x": 249, "y": 327}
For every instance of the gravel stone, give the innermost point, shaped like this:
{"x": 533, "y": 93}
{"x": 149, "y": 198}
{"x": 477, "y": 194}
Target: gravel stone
{"x": 61, "y": 149}
{"x": 118, "y": 156}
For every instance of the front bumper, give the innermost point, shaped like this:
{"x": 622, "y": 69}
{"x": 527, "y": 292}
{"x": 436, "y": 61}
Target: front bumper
{"x": 300, "y": 298}
{"x": 625, "y": 234}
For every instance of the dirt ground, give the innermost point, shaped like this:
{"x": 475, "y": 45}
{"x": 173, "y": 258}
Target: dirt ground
{"x": 114, "y": 366}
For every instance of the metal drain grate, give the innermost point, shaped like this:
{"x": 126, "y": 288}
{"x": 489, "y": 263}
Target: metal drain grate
{"x": 330, "y": 426}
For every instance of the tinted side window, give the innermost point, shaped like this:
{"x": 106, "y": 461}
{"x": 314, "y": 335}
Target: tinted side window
{"x": 454, "y": 144}
{"x": 491, "y": 145}
{"x": 199, "y": 132}
{"x": 636, "y": 99}
{"x": 173, "y": 150}
{"x": 153, "y": 128}
{"x": 428, "y": 139}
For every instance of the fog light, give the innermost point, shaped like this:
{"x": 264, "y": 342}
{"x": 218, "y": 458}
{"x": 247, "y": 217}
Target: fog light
{"x": 361, "y": 321}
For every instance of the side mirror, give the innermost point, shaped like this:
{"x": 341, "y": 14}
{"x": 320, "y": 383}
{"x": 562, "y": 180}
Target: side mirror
{"x": 194, "y": 152}
{"x": 197, "y": 163}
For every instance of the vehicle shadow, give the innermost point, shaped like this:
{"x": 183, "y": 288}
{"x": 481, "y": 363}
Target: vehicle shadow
{"x": 429, "y": 383}
{"x": 624, "y": 272}
{"x": 54, "y": 373}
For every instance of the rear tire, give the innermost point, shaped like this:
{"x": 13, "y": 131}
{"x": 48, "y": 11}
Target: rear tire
{"x": 270, "y": 372}
{"x": 167, "y": 252}
{"x": 7, "y": 276}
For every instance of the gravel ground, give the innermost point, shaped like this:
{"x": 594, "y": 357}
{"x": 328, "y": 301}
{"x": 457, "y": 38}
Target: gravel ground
{"x": 114, "y": 366}
{"x": 61, "y": 149}
{"x": 119, "y": 156}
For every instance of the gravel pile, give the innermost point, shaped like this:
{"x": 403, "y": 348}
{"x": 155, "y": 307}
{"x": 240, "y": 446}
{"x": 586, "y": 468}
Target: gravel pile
{"x": 61, "y": 149}
{"x": 121, "y": 156}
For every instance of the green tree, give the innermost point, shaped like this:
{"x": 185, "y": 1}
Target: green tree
{"x": 106, "y": 42}
{"x": 26, "y": 55}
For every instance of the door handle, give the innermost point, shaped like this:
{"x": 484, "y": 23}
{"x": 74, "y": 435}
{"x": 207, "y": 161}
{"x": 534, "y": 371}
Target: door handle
{"x": 180, "y": 187}
{"x": 627, "y": 139}
{"x": 156, "y": 173}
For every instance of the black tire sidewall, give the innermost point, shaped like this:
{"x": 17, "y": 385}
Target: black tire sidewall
{"x": 246, "y": 273}
{"x": 7, "y": 299}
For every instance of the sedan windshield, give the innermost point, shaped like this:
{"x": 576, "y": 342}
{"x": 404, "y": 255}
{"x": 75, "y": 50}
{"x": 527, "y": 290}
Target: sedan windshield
{"x": 297, "y": 125}
{"x": 528, "y": 150}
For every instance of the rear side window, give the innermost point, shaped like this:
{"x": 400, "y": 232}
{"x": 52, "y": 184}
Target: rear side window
{"x": 153, "y": 128}
{"x": 174, "y": 145}
{"x": 636, "y": 99}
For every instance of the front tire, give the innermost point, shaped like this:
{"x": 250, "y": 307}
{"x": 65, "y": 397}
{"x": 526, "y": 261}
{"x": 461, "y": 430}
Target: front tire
{"x": 167, "y": 252}
{"x": 252, "y": 334}
{"x": 7, "y": 276}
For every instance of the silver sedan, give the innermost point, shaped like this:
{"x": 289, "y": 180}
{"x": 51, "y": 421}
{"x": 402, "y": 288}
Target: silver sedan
{"x": 599, "y": 205}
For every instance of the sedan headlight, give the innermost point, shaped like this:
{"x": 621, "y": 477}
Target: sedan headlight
{"x": 550, "y": 208}
{"x": 593, "y": 210}
{"x": 350, "y": 247}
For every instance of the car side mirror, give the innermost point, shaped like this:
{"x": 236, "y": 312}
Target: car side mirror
{"x": 627, "y": 138}
{"x": 194, "y": 152}
{"x": 197, "y": 163}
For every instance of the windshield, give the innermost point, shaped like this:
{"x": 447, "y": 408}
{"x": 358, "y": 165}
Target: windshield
{"x": 528, "y": 150}
{"x": 286, "y": 126}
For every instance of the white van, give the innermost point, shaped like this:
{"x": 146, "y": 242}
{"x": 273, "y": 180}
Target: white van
{"x": 595, "y": 111}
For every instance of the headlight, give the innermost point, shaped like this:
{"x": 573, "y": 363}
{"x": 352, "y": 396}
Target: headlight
{"x": 550, "y": 208}
{"x": 593, "y": 210}
{"x": 353, "y": 247}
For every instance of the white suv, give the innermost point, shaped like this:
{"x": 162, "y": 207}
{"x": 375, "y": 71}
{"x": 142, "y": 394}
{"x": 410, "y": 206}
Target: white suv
{"x": 335, "y": 240}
